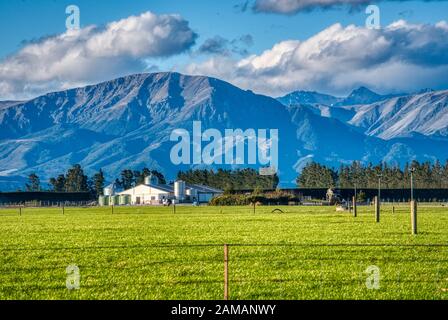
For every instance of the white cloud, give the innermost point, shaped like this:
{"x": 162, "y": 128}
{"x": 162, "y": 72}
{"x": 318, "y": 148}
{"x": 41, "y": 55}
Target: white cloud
{"x": 401, "y": 56}
{"x": 92, "y": 54}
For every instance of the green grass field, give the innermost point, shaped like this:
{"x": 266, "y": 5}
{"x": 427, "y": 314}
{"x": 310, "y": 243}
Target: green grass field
{"x": 151, "y": 253}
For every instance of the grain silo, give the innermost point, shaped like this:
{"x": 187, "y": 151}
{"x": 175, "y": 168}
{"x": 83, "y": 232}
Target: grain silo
{"x": 102, "y": 201}
{"x": 179, "y": 190}
{"x": 151, "y": 180}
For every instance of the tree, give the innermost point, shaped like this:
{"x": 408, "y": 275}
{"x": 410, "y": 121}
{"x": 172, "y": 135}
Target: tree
{"x": 159, "y": 176}
{"x": 138, "y": 177}
{"x": 75, "y": 180}
{"x": 98, "y": 183}
{"x": 127, "y": 179}
{"x": 240, "y": 179}
{"x": 34, "y": 183}
{"x": 315, "y": 175}
{"x": 58, "y": 183}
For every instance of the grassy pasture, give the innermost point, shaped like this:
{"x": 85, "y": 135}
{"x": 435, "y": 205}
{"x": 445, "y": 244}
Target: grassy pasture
{"x": 151, "y": 253}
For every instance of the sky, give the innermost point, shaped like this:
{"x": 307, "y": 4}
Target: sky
{"x": 270, "y": 47}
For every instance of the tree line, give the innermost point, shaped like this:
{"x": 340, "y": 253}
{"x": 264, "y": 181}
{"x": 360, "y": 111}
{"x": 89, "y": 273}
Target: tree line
{"x": 130, "y": 178}
{"x": 75, "y": 180}
{"x": 229, "y": 180}
{"x": 426, "y": 175}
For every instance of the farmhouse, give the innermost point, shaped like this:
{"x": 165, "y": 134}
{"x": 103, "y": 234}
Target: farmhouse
{"x": 151, "y": 192}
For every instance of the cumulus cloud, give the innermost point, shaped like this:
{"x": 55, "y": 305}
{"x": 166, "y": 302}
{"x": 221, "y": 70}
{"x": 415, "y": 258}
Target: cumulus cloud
{"x": 92, "y": 54}
{"x": 400, "y": 57}
{"x": 293, "y": 6}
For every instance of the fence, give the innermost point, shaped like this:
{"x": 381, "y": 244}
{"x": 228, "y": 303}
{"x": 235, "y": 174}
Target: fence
{"x": 121, "y": 267}
{"x": 237, "y": 271}
{"x": 39, "y": 199}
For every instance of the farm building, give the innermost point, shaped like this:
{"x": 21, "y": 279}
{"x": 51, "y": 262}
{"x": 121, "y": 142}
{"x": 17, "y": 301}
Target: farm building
{"x": 151, "y": 192}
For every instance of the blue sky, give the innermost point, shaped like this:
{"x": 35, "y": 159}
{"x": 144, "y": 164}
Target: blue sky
{"x": 27, "y": 20}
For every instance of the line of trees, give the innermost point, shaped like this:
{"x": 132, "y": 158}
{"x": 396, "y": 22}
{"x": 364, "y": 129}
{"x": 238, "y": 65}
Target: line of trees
{"x": 130, "y": 178}
{"x": 229, "y": 180}
{"x": 426, "y": 175}
{"x": 74, "y": 180}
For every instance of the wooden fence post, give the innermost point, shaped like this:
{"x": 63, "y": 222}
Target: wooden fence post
{"x": 414, "y": 216}
{"x": 112, "y": 208}
{"x": 63, "y": 210}
{"x": 254, "y": 207}
{"x": 174, "y": 208}
{"x": 377, "y": 209}
{"x": 20, "y": 211}
{"x": 355, "y": 209}
{"x": 226, "y": 272}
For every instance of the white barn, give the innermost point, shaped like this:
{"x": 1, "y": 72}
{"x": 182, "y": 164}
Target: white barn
{"x": 149, "y": 194}
{"x": 153, "y": 193}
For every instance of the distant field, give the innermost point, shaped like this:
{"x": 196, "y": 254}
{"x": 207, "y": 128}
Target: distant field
{"x": 151, "y": 253}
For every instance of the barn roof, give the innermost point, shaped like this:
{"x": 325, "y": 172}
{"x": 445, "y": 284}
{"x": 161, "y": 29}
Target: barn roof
{"x": 163, "y": 187}
{"x": 202, "y": 188}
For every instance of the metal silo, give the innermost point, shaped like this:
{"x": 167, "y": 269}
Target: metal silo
{"x": 122, "y": 200}
{"x": 179, "y": 190}
{"x": 101, "y": 201}
{"x": 114, "y": 200}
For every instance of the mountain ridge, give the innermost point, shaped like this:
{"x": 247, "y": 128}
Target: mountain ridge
{"x": 126, "y": 123}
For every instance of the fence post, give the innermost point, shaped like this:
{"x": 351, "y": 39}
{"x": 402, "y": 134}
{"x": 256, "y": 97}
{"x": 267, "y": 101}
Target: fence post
{"x": 174, "y": 208}
{"x": 355, "y": 210}
{"x": 112, "y": 209}
{"x": 377, "y": 209}
{"x": 20, "y": 211}
{"x": 414, "y": 216}
{"x": 63, "y": 210}
{"x": 393, "y": 209}
{"x": 226, "y": 272}
{"x": 254, "y": 207}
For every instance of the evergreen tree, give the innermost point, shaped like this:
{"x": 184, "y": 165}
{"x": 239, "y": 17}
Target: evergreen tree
{"x": 34, "y": 183}
{"x": 127, "y": 179}
{"x": 98, "y": 183}
{"x": 58, "y": 183}
{"x": 75, "y": 180}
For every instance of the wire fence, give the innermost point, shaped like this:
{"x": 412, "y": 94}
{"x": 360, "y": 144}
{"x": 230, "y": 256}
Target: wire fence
{"x": 239, "y": 270}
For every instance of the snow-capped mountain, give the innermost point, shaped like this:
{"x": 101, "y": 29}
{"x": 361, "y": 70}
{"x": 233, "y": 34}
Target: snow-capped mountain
{"x": 425, "y": 113}
{"x": 391, "y": 116}
{"x": 362, "y": 95}
{"x": 308, "y": 97}
{"x": 127, "y": 122}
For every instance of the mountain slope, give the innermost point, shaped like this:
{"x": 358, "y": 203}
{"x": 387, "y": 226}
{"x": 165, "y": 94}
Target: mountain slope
{"x": 361, "y": 95}
{"x": 385, "y": 116}
{"x": 425, "y": 114}
{"x": 308, "y": 97}
{"x": 127, "y": 123}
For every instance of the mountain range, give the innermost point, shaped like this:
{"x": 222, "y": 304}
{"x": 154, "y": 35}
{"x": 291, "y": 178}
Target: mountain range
{"x": 127, "y": 122}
